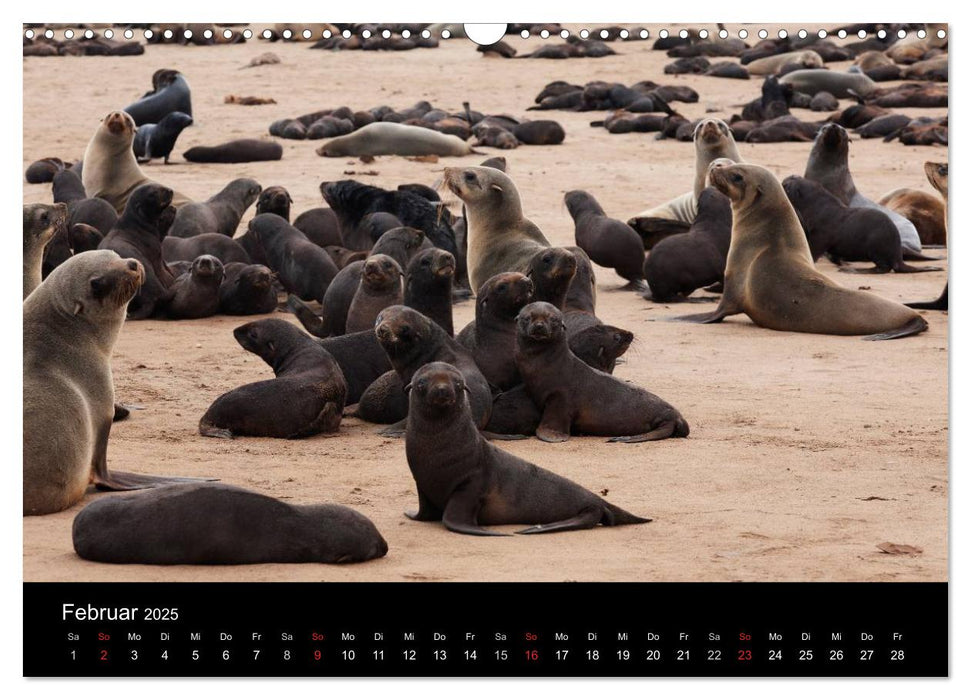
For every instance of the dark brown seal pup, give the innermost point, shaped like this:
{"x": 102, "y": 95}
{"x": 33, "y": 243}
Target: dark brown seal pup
{"x": 274, "y": 200}
{"x": 684, "y": 262}
{"x": 195, "y": 294}
{"x": 770, "y": 274}
{"x": 491, "y": 337}
{"x": 577, "y": 398}
{"x": 44, "y": 170}
{"x": 304, "y": 268}
{"x": 428, "y": 286}
{"x": 221, "y": 213}
{"x": 138, "y": 234}
{"x": 216, "y": 244}
{"x": 240, "y": 151}
{"x": 846, "y": 233}
{"x": 412, "y": 340}
{"x": 306, "y": 397}
{"x": 552, "y": 271}
{"x": 41, "y": 222}
{"x": 361, "y": 359}
{"x": 220, "y": 524}
{"x": 246, "y": 290}
{"x": 71, "y": 324}
{"x": 608, "y": 242}
{"x": 82, "y": 209}
{"x": 400, "y": 244}
{"x": 466, "y": 483}
{"x": 828, "y": 165}
{"x": 158, "y": 140}
{"x": 379, "y": 288}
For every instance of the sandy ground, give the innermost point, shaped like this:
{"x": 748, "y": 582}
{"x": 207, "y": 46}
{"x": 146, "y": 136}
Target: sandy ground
{"x": 805, "y": 452}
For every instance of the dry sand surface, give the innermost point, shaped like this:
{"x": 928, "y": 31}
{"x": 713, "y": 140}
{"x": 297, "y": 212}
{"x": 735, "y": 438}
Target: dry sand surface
{"x": 806, "y": 451}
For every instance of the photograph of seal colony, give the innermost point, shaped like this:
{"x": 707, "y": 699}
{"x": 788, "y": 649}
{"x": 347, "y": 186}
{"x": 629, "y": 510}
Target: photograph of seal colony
{"x": 334, "y": 334}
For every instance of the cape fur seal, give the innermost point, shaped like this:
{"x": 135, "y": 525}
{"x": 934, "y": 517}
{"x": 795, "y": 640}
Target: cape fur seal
{"x": 378, "y": 288}
{"x": 306, "y": 397}
{"x": 500, "y": 238}
{"x": 467, "y": 483}
{"x": 158, "y": 140}
{"x": 246, "y": 290}
{"x": 110, "y": 170}
{"x": 770, "y": 275}
{"x": 839, "y": 84}
{"x": 828, "y": 165}
{"x": 304, "y": 269}
{"x": 574, "y": 397}
{"x": 221, "y": 213}
{"x": 391, "y": 139}
{"x": 169, "y": 93}
{"x": 41, "y": 222}
{"x": 138, "y": 234}
{"x": 713, "y": 139}
{"x": 846, "y": 233}
{"x": 217, "y": 244}
{"x": 609, "y": 242}
{"x": 771, "y": 65}
{"x": 221, "y": 524}
{"x": 195, "y": 294}
{"x": 71, "y": 323}
{"x": 925, "y": 211}
{"x": 238, "y": 151}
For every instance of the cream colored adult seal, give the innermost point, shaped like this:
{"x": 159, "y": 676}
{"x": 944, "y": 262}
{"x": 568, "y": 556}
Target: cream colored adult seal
{"x": 500, "y": 238}
{"x": 109, "y": 169}
{"x": 392, "y": 139}
{"x": 770, "y": 65}
{"x": 713, "y": 139}
{"x": 71, "y": 323}
{"x": 770, "y": 275}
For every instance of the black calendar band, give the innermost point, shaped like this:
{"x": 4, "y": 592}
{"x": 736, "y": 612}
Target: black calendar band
{"x": 486, "y": 629}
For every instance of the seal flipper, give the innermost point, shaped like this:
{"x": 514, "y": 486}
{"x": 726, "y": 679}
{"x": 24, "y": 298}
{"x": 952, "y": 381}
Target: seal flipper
{"x": 664, "y": 431}
{"x": 939, "y": 304}
{"x": 912, "y": 327}
{"x": 121, "y": 412}
{"x": 584, "y": 520}
{"x": 427, "y": 511}
{"x": 327, "y": 421}
{"x": 462, "y": 510}
{"x": 313, "y": 323}
{"x": 904, "y": 267}
{"x": 128, "y": 481}
{"x": 395, "y": 430}
{"x": 556, "y": 421}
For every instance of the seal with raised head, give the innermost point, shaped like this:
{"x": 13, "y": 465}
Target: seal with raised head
{"x": 169, "y": 93}
{"x": 846, "y": 233}
{"x": 138, "y": 234}
{"x": 491, "y": 337}
{"x": 428, "y": 286}
{"x": 770, "y": 274}
{"x": 574, "y": 397}
{"x": 713, "y": 139}
{"x": 306, "y": 397}
{"x": 608, "y": 242}
{"x": 937, "y": 176}
{"x": 552, "y": 271}
{"x": 41, "y": 222}
{"x": 379, "y": 288}
{"x": 221, "y": 213}
{"x": 158, "y": 140}
{"x": 195, "y": 294}
{"x": 466, "y": 483}
{"x": 246, "y": 290}
{"x": 274, "y": 200}
{"x": 500, "y": 238}
{"x": 219, "y": 524}
{"x": 684, "y": 262}
{"x": 412, "y": 340}
{"x": 110, "y": 170}
{"x": 828, "y": 165}
{"x": 71, "y": 323}
{"x": 391, "y": 139}
{"x": 401, "y": 244}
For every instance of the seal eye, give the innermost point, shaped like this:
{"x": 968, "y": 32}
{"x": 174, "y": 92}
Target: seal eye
{"x": 502, "y": 287}
{"x": 422, "y": 385}
{"x": 469, "y": 177}
{"x": 43, "y": 218}
{"x": 426, "y": 262}
{"x": 100, "y": 287}
{"x": 736, "y": 178}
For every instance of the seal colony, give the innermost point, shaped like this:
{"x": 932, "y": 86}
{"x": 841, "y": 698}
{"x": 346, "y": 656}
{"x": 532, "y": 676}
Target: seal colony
{"x": 375, "y": 270}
